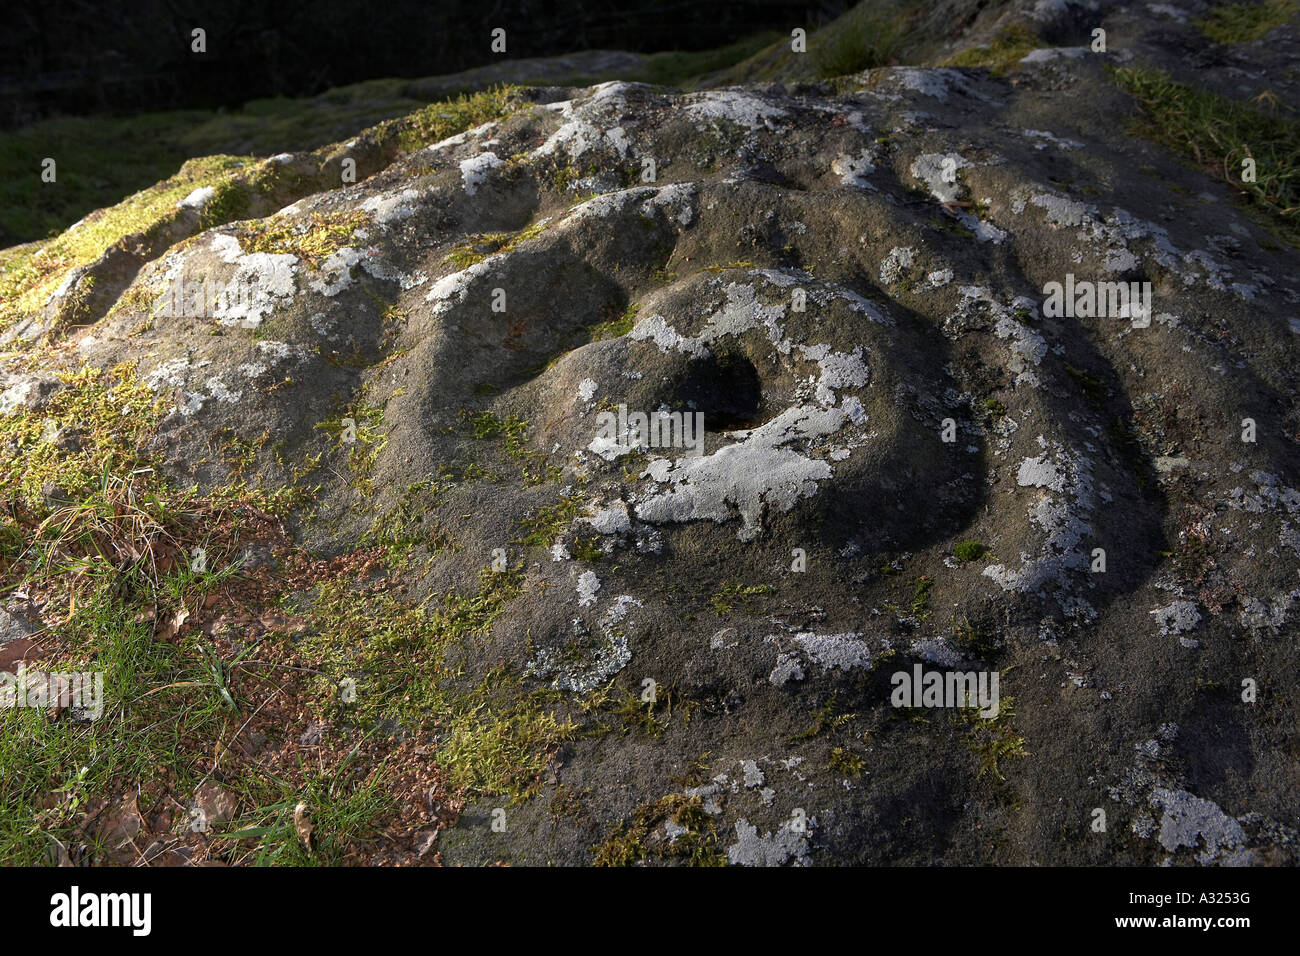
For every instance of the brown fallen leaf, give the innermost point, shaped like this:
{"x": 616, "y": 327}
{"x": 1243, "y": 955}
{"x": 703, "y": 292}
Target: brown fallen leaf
{"x": 121, "y": 823}
{"x": 17, "y": 651}
{"x": 302, "y": 823}
{"x": 215, "y": 803}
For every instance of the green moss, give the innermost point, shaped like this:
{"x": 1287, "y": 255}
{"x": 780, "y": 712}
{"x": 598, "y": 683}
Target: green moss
{"x": 478, "y": 247}
{"x": 827, "y": 719}
{"x": 1246, "y": 22}
{"x": 641, "y": 838}
{"x": 438, "y": 121}
{"x": 313, "y": 239}
{"x": 1217, "y": 134}
{"x": 993, "y": 739}
{"x": 360, "y": 431}
{"x": 409, "y": 522}
{"x": 545, "y": 524}
{"x": 30, "y": 274}
{"x": 920, "y": 604}
{"x": 500, "y": 744}
{"x": 995, "y": 408}
{"x": 972, "y": 639}
{"x": 725, "y": 601}
{"x": 615, "y": 327}
{"x": 968, "y": 550}
{"x": 535, "y": 469}
{"x": 586, "y": 549}
{"x": 846, "y": 762}
{"x": 1003, "y": 54}
{"x": 99, "y": 424}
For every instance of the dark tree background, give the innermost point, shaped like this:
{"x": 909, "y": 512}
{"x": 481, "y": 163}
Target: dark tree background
{"x": 82, "y": 56}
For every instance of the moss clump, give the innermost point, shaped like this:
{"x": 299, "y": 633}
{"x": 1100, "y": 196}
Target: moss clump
{"x": 485, "y": 425}
{"x": 968, "y": 550}
{"x": 1217, "y": 134}
{"x": 970, "y": 638}
{"x": 98, "y": 424}
{"x": 725, "y": 601}
{"x": 615, "y": 327}
{"x": 360, "y": 431}
{"x": 920, "y": 604}
{"x": 499, "y": 744}
{"x": 1008, "y": 48}
{"x": 437, "y": 121}
{"x": 994, "y": 407}
{"x": 313, "y": 240}
{"x": 478, "y": 247}
{"x": 846, "y": 762}
{"x": 1246, "y": 22}
{"x": 993, "y": 739}
{"x": 638, "y": 839}
{"x": 30, "y": 274}
{"x": 543, "y": 526}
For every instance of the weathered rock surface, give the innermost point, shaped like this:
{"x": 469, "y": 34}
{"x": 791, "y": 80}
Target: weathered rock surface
{"x": 837, "y": 277}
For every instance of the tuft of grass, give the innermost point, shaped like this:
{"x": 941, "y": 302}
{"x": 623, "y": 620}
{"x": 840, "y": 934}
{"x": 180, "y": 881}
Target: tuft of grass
{"x": 1246, "y": 22}
{"x": 1216, "y": 134}
{"x": 1003, "y": 54}
{"x": 344, "y": 805}
{"x": 868, "y": 36}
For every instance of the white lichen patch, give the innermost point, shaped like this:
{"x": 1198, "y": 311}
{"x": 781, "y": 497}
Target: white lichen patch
{"x": 1061, "y": 515}
{"x": 197, "y": 199}
{"x": 734, "y": 106}
{"x": 1189, "y": 821}
{"x": 938, "y": 173}
{"x": 853, "y": 170}
{"x": 831, "y": 651}
{"x": 741, "y": 312}
{"x": 896, "y": 266}
{"x": 1177, "y": 618}
{"x": 265, "y": 280}
{"x": 588, "y": 585}
{"x": 838, "y": 370}
{"x": 788, "y": 845}
{"x": 612, "y": 520}
{"x": 755, "y": 474}
{"x": 475, "y": 170}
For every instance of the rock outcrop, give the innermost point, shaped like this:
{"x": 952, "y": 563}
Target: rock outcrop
{"x": 879, "y": 448}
